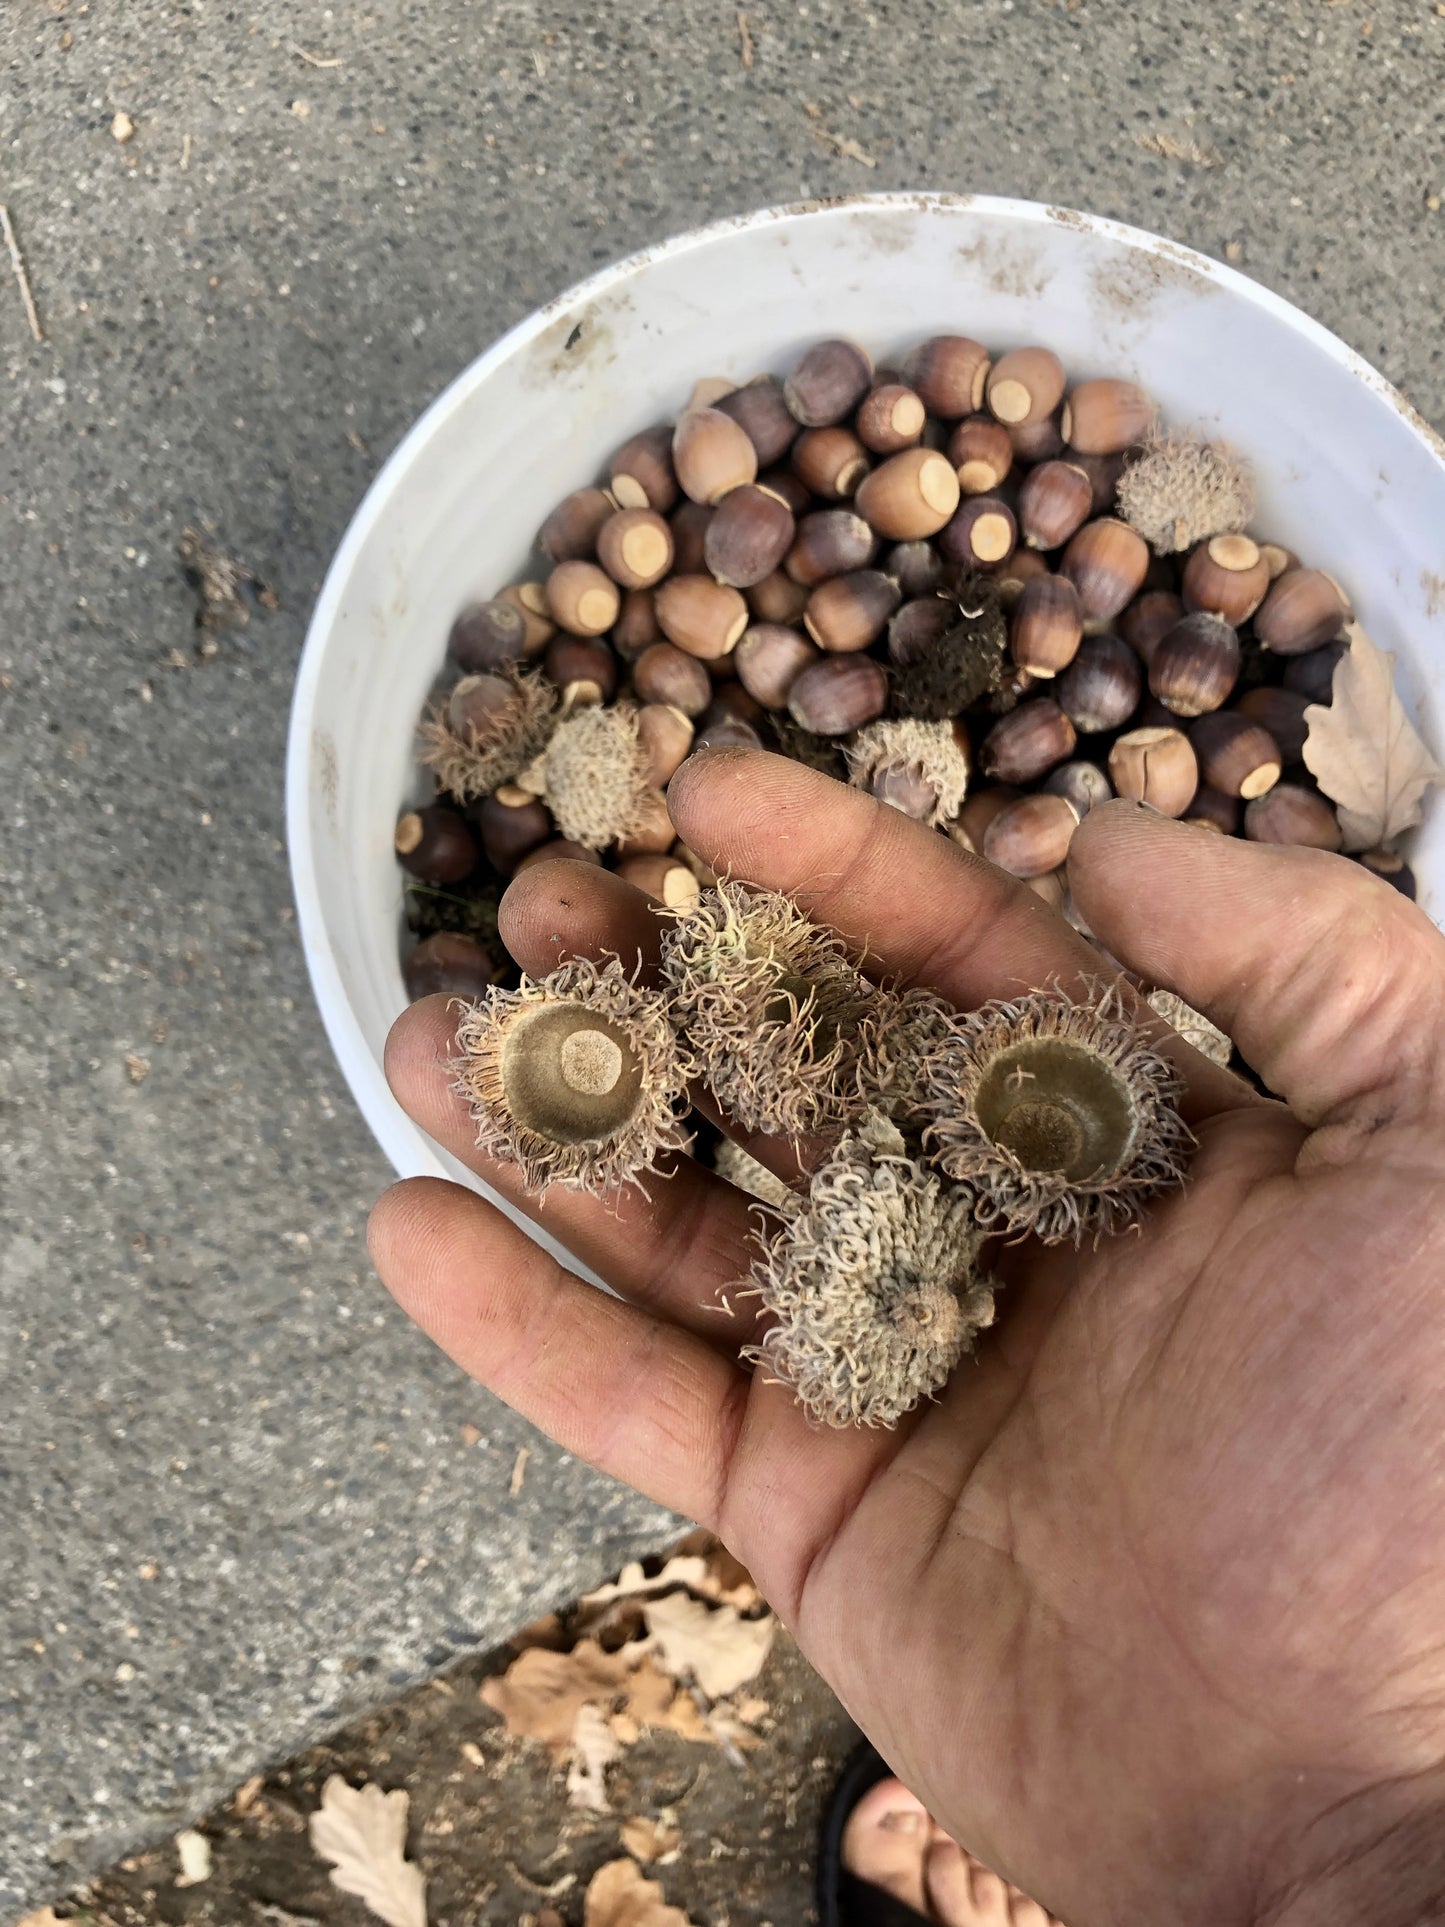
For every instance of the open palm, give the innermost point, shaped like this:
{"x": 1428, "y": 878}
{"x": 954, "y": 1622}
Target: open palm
{"x": 1147, "y": 1607}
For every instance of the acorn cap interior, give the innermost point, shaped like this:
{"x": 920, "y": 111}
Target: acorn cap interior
{"x": 570, "y": 1074}
{"x": 1057, "y": 1107}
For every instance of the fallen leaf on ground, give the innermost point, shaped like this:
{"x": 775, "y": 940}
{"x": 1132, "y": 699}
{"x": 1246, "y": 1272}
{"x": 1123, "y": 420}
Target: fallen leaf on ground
{"x": 362, "y": 1832}
{"x": 194, "y": 1850}
{"x": 594, "y": 1748}
{"x": 655, "y": 1700}
{"x": 619, "y": 1896}
{"x": 46, "y": 1917}
{"x": 712, "y": 1644}
{"x": 712, "y": 1574}
{"x": 540, "y": 1692}
{"x": 648, "y": 1839}
{"x": 246, "y": 1793}
{"x": 547, "y": 1631}
{"x": 1363, "y": 750}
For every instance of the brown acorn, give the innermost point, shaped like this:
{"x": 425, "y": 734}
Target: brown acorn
{"x": 450, "y": 964}
{"x": 1103, "y": 472}
{"x": 1055, "y": 499}
{"x": 641, "y": 476}
{"x": 1038, "y": 441}
{"x": 1105, "y": 417}
{"x": 729, "y": 732}
{"x": 689, "y": 523}
{"x": 1046, "y": 625}
{"x": 635, "y": 547}
{"x": 1148, "y": 619}
{"x": 909, "y": 496}
{"x": 789, "y": 487}
{"x": 1106, "y": 562}
{"x": 1025, "y": 386}
{"x": 1009, "y": 576}
{"x": 1227, "y": 576}
{"x": 667, "y": 674}
{"x": 838, "y": 695}
{"x": 435, "y": 844}
{"x": 778, "y": 598}
{"x": 1236, "y": 755}
{"x": 1082, "y": 783}
{"x": 1157, "y": 767}
{"x": 1194, "y": 668}
{"x": 487, "y": 636}
{"x": 849, "y": 612}
{"x": 1027, "y": 742}
{"x": 831, "y": 461}
{"x": 665, "y": 734}
{"x": 701, "y": 616}
{"x": 1278, "y": 559}
{"x": 1313, "y": 674}
{"x": 1211, "y": 809}
{"x": 917, "y": 626}
{"x": 829, "y": 542}
{"x": 828, "y": 383}
{"x": 948, "y": 373}
{"x": 1289, "y": 813}
{"x": 764, "y": 417}
{"x": 979, "y": 809}
{"x": 981, "y": 534}
{"x": 915, "y": 566}
{"x": 731, "y": 703}
{"x": 1031, "y": 837}
{"x": 582, "y": 667}
{"x": 981, "y": 453}
{"x": 529, "y": 599}
{"x": 712, "y": 454}
{"x": 582, "y": 598}
{"x": 1101, "y": 687}
{"x": 889, "y": 418}
{"x": 560, "y": 849}
{"x": 511, "y": 822}
{"x": 1303, "y": 610}
{"x": 748, "y": 536}
{"x": 569, "y": 533}
{"x": 636, "y": 626}
{"x": 1282, "y": 713}
{"x": 663, "y": 877}
{"x": 768, "y": 660}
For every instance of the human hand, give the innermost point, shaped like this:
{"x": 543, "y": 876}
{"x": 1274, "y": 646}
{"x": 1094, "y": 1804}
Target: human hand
{"x": 1146, "y": 1608}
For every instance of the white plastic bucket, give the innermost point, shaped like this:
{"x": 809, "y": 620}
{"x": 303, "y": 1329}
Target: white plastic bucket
{"x": 1349, "y": 476}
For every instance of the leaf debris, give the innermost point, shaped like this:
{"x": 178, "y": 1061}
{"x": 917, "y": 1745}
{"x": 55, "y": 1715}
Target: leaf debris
{"x": 362, "y": 1832}
{"x": 1365, "y": 753}
{"x": 1168, "y": 147}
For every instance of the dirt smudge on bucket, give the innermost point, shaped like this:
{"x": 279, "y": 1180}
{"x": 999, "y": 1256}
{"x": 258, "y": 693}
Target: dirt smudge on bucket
{"x": 577, "y": 343}
{"x": 328, "y": 773}
{"x": 1008, "y": 267}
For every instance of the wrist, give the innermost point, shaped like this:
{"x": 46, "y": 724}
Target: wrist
{"x": 1377, "y": 1860}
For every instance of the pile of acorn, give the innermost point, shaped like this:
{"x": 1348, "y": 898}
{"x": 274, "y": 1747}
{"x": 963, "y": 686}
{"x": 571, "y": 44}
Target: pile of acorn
{"x": 1066, "y": 597}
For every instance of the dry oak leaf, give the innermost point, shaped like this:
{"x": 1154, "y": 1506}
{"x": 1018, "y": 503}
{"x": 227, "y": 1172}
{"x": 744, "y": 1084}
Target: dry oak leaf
{"x": 1363, "y": 750}
{"x": 655, "y": 1700}
{"x": 648, "y": 1839}
{"x": 712, "y": 1644}
{"x": 540, "y": 1693}
{"x": 362, "y": 1832}
{"x": 46, "y": 1917}
{"x": 594, "y": 1747}
{"x": 619, "y": 1896}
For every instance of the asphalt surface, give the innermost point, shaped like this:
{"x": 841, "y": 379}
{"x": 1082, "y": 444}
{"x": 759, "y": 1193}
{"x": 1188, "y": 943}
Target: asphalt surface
{"x": 237, "y": 1499}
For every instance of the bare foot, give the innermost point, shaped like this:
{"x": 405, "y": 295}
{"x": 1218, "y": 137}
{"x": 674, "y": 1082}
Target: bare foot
{"x": 891, "y": 1842}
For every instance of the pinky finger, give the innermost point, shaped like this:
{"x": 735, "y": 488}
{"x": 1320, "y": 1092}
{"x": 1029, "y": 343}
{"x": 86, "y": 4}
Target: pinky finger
{"x": 627, "y": 1392}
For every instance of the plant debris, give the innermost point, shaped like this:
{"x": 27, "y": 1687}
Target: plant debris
{"x": 362, "y": 1832}
{"x": 1364, "y": 752}
{"x": 226, "y": 588}
{"x": 21, "y": 273}
{"x": 619, "y": 1895}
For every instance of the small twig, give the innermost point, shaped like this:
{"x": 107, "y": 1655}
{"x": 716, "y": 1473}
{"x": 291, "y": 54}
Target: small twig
{"x": 312, "y": 60}
{"x": 17, "y": 262}
{"x": 746, "y": 38}
{"x": 519, "y": 1470}
{"x": 185, "y": 153}
{"x": 730, "y": 1752}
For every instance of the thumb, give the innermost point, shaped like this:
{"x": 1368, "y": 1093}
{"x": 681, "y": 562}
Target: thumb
{"x": 1331, "y": 984}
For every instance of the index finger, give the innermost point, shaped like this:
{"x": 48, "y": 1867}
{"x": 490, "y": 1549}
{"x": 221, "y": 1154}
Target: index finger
{"x": 903, "y": 897}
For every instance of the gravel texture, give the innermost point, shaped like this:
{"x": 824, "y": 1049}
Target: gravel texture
{"x": 237, "y": 1502}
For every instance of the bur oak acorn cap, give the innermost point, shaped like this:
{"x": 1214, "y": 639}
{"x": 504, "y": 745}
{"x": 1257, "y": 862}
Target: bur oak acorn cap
{"x": 578, "y": 1079}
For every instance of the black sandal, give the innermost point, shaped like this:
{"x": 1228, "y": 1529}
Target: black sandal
{"x": 843, "y": 1899}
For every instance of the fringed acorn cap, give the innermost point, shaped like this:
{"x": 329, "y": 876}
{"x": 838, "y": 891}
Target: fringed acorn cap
{"x": 772, "y": 1008}
{"x": 925, "y": 756}
{"x": 488, "y": 728}
{"x": 1061, "y": 1115}
{"x": 1183, "y": 489}
{"x": 594, "y": 775}
{"x": 872, "y": 1285}
{"x": 578, "y": 1079}
{"x": 907, "y": 1027}
{"x": 742, "y": 1169}
{"x": 968, "y": 661}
